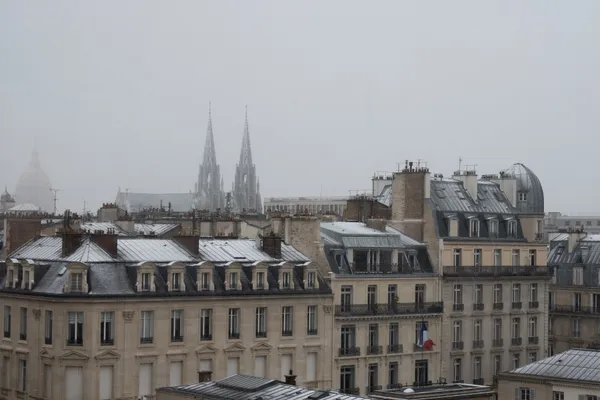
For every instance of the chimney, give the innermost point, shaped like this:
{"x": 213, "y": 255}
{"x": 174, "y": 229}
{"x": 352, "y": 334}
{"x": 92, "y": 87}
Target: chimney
{"x": 271, "y": 245}
{"x": 377, "y": 224}
{"x": 70, "y": 242}
{"x": 190, "y": 242}
{"x": 106, "y": 241}
{"x": 126, "y": 224}
{"x": 290, "y": 379}
{"x": 18, "y": 230}
{"x": 575, "y": 235}
{"x": 508, "y": 184}
{"x": 469, "y": 181}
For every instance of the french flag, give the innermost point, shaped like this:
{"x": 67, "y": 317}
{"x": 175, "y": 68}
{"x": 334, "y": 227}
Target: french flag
{"x": 424, "y": 340}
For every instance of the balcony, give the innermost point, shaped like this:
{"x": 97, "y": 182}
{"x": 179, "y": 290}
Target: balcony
{"x": 478, "y": 307}
{"x": 373, "y": 350}
{"x": 146, "y": 340}
{"x": 498, "y": 342}
{"x": 358, "y": 310}
{"x": 385, "y": 268}
{"x": 458, "y": 307}
{"x": 498, "y": 306}
{"x": 349, "y": 351}
{"x": 351, "y": 391}
{"x": 496, "y": 271}
{"x": 394, "y": 386}
{"x": 517, "y": 305}
{"x": 516, "y": 341}
{"x": 395, "y": 349}
{"x": 373, "y": 388}
{"x": 458, "y": 345}
{"x": 581, "y": 310}
{"x": 533, "y": 340}
{"x": 534, "y": 304}
{"x": 478, "y": 344}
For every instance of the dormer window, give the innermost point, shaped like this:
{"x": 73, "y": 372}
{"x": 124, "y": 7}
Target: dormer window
{"x": 285, "y": 278}
{"x": 260, "y": 280}
{"x": 204, "y": 274}
{"x": 11, "y": 278}
{"x": 176, "y": 281}
{"x": 312, "y": 277}
{"x": 474, "y": 227}
{"x": 233, "y": 280}
{"x": 26, "y": 284}
{"x": 76, "y": 282}
{"x": 522, "y": 196}
{"x": 493, "y": 227}
{"x": 512, "y": 228}
{"x": 205, "y": 281}
{"x": 146, "y": 281}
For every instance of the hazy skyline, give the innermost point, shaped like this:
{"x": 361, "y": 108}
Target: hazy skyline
{"x": 117, "y": 93}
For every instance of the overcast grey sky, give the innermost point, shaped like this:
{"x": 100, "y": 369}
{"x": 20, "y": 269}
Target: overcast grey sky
{"x": 117, "y": 92}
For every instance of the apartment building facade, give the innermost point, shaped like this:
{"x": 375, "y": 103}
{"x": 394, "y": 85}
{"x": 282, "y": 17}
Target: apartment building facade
{"x": 98, "y": 316}
{"x": 386, "y": 294}
{"x": 574, "y": 298}
{"x": 485, "y": 239}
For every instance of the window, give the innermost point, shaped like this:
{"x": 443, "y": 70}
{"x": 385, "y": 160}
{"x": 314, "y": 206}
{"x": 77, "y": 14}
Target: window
{"x": 477, "y": 257}
{"x": 48, "y": 327}
{"x": 419, "y": 295}
{"x": 532, "y": 257}
{"x": 457, "y": 257}
{"x": 286, "y": 321}
{"x": 516, "y": 293}
{"x": 516, "y": 359}
{"x": 392, "y": 374}
{"x": 474, "y": 227}
{"x": 493, "y": 227}
{"x": 147, "y": 327}
{"x": 498, "y": 329}
{"x": 525, "y": 394}
{"x": 312, "y": 277}
{"x": 393, "y": 336}
{"x": 497, "y": 364}
{"x": 576, "y": 301}
{"x": 477, "y": 367}
{"x": 233, "y": 280}
{"x": 421, "y": 372}
{"x": 533, "y": 327}
{"x": 347, "y": 338}
{"x": 457, "y": 370}
{"x": 261, "y": 322}
{"x": 146, "y": 279}
{"x": 205, "y": 281}
{"x": 75, "y": 329}
{"x": 346, "y": 298}
{"x": 206, "y": 324}
{"x": 392, "y": 294}
{"x": 522, "y": 196}
{"x": 23, "y": 325}
{"x": 107, "y": 328}
{"x": 233, "y": 325}
{"x": 516, "y": 328}
{"x": 457, "y": 333}
{"x": 176, "y": 281}
{"x": 497, "y": 257}
{"x": 558, "y": 395}
{"x": 576, "y": 328}
{"x": 176, "y": 326}
{"x": 478, "y": 330}
{"x": 458, "y": 300}
{"x": 11, "y": 278}
{"x": 577, "y": 276}
{"x": 418, "y": 325}
{"x": 497, "y": 293}
{"x": 512, "y": 228}
{"x": 478, "y": 294}
{"x": 372, "y": 297}
{"x": 532, "y": 357}
{"x": 373, "y": 336}
{"x": 516, "y": 254}
{"x": 285, "y": 278}
{"x": 347, "y": 378}
{"x": 26, "y": 279}
{"x": 373, "y": 374}
{"x": 311, "y": 323}
{"x": 76, "y": 282}
{"x": 7, "y": 321}
{"x": 533, "y": 292}
{"x": 550, "y": 350}
{"x": 22, "y": 375}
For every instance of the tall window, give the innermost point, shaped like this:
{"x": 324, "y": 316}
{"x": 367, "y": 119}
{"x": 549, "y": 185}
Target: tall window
{"x": 474, "y": 227}
{"x": 498, "y": 329}
{"x": 497, "y": 293}
{"x": 478, "y": 330}
{"x": 457, "y": 370}
{"x": 421, "y": 372}
{"x": 532, "y": 327}
{"x": 393, "y": 335}
{"x": 372, "y": 296}
{"x": 392, "y": 294}
{"x": 26, "y": 279}
{"x": 419, "y": 294}
{"x": 477, "y": 257}
{"x": 493, "y": 224}
{"x": 233, "y": 325}
{"x": 286, "y": 321}
{"x": 23, "y": 327}
{"x": 147, "y": 327}
{"x": 48, "y": 327}
{"x": 533, "y": 292}
{"x": 176, "y": 281}
{"x": 576, "y": 328}
{"x": 393, "y": 374}
{"x": 516, "y": 257}
{"x": 497, "y": 257}
{"x": 7, "y": 321}
{"x": 176, "y": 325}
{"x": 516, "y": 328}
{"x": 312, "y": 277}
{"x": 497, "y": 364}
{"x": 347, "y": 378}
{"x": 233, "y": 280}
{"x": 516, "y": 359}
{"x": 457, "y": 257}
{"x": 577, "y": 301}
{"x": 205, "y": 281}
{"x": 532, "y": 257}
{"x": 261, "y": 322}
{"x": 373, "y": 335}
{"x": 311, "y": 323}
{"x": 516, "y": 293}
{"x": 286, "y": 280}
{"x": 75, "y": 329}
{"x": 512, "y": 228}
{"x": 373, "y": 375}
{"x": 458, "y": 300}
{"x": 457, "y": 332}
{"x": 477, "y": 367}
{"x": 206, "y": 324}
{"x": 346, "y": 298}
{"x": 76, "y": 282}
{"x": 347, "y": 337}
{"x": 107, "y": 328}
{"x": 22, "y": 375}
{"x": 478, "y": 294}
{"x": 146, "y": 281}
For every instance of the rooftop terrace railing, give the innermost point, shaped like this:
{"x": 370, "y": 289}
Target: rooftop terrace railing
{"x": 497, "y": 271}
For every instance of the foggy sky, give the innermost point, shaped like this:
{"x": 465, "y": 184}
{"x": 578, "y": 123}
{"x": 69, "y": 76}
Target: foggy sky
{"x": 117, "y": 92}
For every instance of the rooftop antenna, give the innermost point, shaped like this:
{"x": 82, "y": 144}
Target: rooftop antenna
{"x": 459, "y": 163}
{"x": 55, "y": 198}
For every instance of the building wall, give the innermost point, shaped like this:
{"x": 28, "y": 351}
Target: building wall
{"x": 127, "y": 353}
{"x": 407, "y": 330}
{"x": 487, "y": 252}
{"x": 506, "y": 389}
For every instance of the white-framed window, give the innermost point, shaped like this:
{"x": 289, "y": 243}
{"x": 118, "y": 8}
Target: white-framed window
{"x": 260, "y": 280}
{"x": 457, "y": 257}
{"x": 497, "y": 364}
{"x": 533, "y": 292}
{"x": 233, "y": 280}
{"x": 457, "y": 369}
{"x": 525, "y": 394}
{"x": 478, "y": 294}
{"x": 458, "y": 295}
{"x": 146, "y": 281}
{"x": 532, "y": 327}
{"x": 286, "y": 321}
{"x": 76, "y": 282}
{"x": 576, "y": 322}
{"x": 22, "y": 375}
{"x": 147, "y": 327}
{"x": 532, "y": 357}
{"x": 26, "y": 279}
{"x": 261, "y": 322}
{"x": 516, "y": 359}
{"x": 516, "y": 328}
{"x": 478, "y": 330}
{"x": 107, "y": 328}
{"x": 48, "y": 327}
{"x": 577, "y": 276}
{"x": 493, "y": 227}
{"x": 558, "y": 395}
{"x": 512, "y": 228}
{"x": 312, "y": 277}
{"x": 176, "y": 325}
{"x": 474, "y": 227}
{"x": 233, "y": 324}
{"x": 516, "y": 257}
{"x": 516, "y": 293}
{"x": 285, "y": 280}
{"x": 477, "y": 367}
{"x": 176, "y": 281}
{"x": 75, "y": 328}
{"x": 497, "y": 293}
{"x": 497, "y": 257}
{"x": 457, "y": 331}
{"x": 477, "y": 257}
{"x": 312, "y": 318}
{"x": 497, "y": 328}
{"x": 206, "y": 324}
{"x": 205, "y": 281}
{"x": 23, "y": 325}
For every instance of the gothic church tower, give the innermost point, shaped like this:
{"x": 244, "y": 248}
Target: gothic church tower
{"x": 246, "y": 187}
{"x": 209, "y": 189}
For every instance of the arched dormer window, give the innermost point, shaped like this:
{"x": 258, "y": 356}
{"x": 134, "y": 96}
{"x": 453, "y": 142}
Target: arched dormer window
{"x": 260, "y": 271}
{"x": 145, "y": 277}
{"x": 286, "y": 276}
{"x": 473, "y": 227}
{"x": 204, "y": 276}
{"x": 175, "y": 278}
{"x": 27, "y": 280}
{"x": 311, "y": 276}
{"x": 233, "y": 273}
{"x": 76, "y": 278}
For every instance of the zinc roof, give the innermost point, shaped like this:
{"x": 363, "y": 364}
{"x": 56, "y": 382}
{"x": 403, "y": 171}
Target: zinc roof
{"x": 244, "y": 250}
{"x": 574, "y": 364}
{"x": 450, "y": 195}
{"x": 156, "y": 250}
{"x": 359, "y": 235}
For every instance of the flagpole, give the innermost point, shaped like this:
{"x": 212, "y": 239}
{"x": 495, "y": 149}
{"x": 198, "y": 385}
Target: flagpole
{"x": 423, "y": 339}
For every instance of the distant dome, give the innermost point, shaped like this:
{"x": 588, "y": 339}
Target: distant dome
{"x": 530, "y": 194}
{"x": 34, "y": 186}
{"x": 6, "y": 197}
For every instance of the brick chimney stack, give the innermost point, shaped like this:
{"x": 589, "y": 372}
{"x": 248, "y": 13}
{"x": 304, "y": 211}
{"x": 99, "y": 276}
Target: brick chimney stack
{"x": 190, "y": 242}
{"x": 271, "y": 245}
{"x": 107, "y": 241}
{"x": 290, "y": 379}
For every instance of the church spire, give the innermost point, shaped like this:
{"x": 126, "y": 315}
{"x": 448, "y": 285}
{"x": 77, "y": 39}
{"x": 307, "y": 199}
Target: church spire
{"x": 246, "y": 153}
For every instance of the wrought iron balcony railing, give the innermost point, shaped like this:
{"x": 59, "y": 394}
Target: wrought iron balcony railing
{"x": 574, "y": 309}
{"x": 498, "y": 342}
{"x": 533, "y": 340}
{"x": 352, "y": 391}
{"x": 497, "y": 271}
{"x": 478, "y": 344}
{"x": 349, "y": 351}
{"x": 478, "y": 306}
{"x": 395, "y": 348}
{"x": 388, "y": 309}
{"x": 516, "y": 341}
{"x": 383, "y": 268}
{"x": 458, "y": 345}
{"x": 374, "y": 350}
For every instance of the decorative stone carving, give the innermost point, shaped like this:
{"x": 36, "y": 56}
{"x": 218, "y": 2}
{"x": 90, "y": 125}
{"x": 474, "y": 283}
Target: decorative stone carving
{"x": 128, "y": 316}
{"x": 327, "y": 309}
{"x": 36, "y": 313}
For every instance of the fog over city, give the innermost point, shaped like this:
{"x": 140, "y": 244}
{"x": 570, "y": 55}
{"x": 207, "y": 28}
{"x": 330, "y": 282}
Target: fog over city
{"x": 116, "y": 94}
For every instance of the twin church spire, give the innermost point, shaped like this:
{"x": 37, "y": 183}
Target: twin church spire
{"x": 210, "y": 194}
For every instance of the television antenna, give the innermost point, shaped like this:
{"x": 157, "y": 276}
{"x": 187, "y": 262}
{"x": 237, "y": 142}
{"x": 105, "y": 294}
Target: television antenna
{"x": 55, "y": 198}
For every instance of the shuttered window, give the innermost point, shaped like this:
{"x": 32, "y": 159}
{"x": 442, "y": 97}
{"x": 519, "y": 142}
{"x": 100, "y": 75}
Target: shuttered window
{"x": 145, "y": 382}
{"x": 286, "y": 365}
{"x": 106, "y": 382}
{"x": 260, "y": 363}
{"x": 311, "y": 367}
{"x": 74, "y": 383}
{"x": 176, "y": 371}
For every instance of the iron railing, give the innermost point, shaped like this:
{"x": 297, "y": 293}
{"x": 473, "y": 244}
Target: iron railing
{"x": 589, "y": 310}
{"x": 388, "y": 309}
{"x": 349, "y": 351}
{"x": 496, "y": 271}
